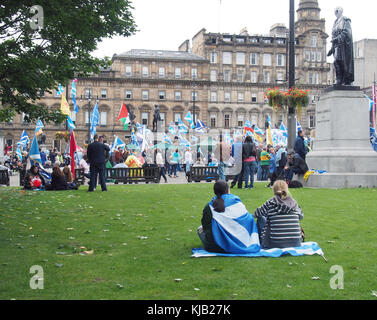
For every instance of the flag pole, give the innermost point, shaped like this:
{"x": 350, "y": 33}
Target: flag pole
{"x": 374, "y": 101}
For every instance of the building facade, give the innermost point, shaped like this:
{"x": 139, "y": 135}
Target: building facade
{"x": 227, "y": 75}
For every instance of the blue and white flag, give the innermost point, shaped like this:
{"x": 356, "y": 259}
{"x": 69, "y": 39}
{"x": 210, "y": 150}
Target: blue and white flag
{"x": 139, "y": 126}
{"x": 284, "y": 130}
{"x": 258, "y": 131}
{"x": 70, "y": 123}
{"x": 60, "y": 90}
{"x": 94, "y": 121}
{"x": 34, "y": 154}
{"x": 182, "y": 128}
{"x": 184, "y": 142}
{"x": 194, "y": 139}
{"x": 24, "y": 140}
{"x": 117, "y": 143}
{"x": 46, "y": 176}
{"x": 166, "y": 139}
{"x": 373, "y": 138}
{"x": 188, "y": 118}
{"x": 298, "y": 127}
{"x": 73, "y": 92}
{"x": 39, "y": 127}
{"x": 235, "y": 229}
{"x": 19, "y": 154}
{"x": 306, "y": 249}
{"x": 133, "y": 139}
{"x": 200, "y": 127}
{"x": 172, "y": 128}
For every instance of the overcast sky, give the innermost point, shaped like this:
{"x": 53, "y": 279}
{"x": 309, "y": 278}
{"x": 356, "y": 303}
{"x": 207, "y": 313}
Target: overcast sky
{"x": 165, "y": 24}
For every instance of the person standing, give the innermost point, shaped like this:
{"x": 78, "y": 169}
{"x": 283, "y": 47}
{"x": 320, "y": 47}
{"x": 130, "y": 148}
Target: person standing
{"x": 188, "y": 161}
{"x": 249, "y": 153}
{"x": 265, "y": 163}
{"x": 97, "y": 158}
{"x": 299, "y": 147}
{"x": 223, "y": 153}
{"x": 238, "y": 166}
{"x": 161, "y": 164}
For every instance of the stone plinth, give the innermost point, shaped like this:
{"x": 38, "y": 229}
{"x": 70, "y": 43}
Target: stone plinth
{"x": 342, "y": 143}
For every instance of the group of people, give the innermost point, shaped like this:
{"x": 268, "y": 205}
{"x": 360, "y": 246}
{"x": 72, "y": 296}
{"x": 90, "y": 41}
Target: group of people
{"x": 278, "y": 220}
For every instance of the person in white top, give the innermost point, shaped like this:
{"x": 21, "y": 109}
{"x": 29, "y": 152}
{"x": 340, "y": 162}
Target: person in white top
{"x": 84, "y": 165}
{"x": 188, "y": 160}
{"x": 161, "y": 164}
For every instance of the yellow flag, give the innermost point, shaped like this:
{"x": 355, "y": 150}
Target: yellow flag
{"x": 64, "y": 107}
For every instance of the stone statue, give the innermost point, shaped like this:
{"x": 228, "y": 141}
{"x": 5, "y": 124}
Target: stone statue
{"x": 342, "y": 49}
{"x": 42, "y": 139}
{"x": 156, "y": 117}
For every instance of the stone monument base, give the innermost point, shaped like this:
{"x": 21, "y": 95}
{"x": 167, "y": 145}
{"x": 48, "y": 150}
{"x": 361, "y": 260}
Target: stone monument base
{"x": 342, "y": 143}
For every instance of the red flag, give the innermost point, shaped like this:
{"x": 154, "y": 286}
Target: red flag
{"x": 72, "y": 150}
{"x": 123, "y": 113}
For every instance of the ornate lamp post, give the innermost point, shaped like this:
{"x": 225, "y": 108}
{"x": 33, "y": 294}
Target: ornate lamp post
{"x": 89, "y": 97}
{"x": 291, "y": 77}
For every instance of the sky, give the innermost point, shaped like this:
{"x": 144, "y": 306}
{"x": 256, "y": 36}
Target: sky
{"x": 165, "y": 24}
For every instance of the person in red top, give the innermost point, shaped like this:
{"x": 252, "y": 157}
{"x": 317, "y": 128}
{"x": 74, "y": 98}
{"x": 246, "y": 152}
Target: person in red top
{"x": 249, "y": 153}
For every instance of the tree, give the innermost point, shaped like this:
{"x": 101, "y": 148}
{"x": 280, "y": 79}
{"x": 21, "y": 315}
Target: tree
{"x": 42, "y": 46}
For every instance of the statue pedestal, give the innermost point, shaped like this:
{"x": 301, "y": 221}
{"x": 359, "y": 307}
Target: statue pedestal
{"x": 342, "y": 143}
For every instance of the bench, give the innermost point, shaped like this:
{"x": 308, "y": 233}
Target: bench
{"x": 133, "y": 175}
{"x": 209, "y": 174}
{"x": 4, "y": 177}
{"x": 79, "y": 177}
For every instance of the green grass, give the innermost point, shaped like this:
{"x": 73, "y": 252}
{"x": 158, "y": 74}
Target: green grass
{"x": 35, "y": 226}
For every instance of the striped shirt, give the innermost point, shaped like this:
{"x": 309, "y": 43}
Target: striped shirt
{"x": 282, "y": 228}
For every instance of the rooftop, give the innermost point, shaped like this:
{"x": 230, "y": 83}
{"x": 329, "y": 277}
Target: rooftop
{"x": 160, "y": 54}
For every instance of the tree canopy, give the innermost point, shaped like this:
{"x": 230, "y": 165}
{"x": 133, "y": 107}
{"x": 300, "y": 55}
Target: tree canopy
{"x": 42, "y": 46}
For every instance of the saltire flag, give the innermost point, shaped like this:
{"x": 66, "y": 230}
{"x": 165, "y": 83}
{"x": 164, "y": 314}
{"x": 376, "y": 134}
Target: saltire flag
{"x": 182, "y": 128}
{"x": 258, "y": 131}
{"x": 19, "y": 154}
{"x": 373, "y": 138}
{"x": 172, "y": 128}
{"x": 72, "y": 150}
{"x": 64, "y": 106}
{"x": 46, "y": 176}
{"x": 284, "y": 130}
{"x": 34, "y": 154}
{"x": 188, "y": 118}
{"x": 235, "y": 229}
{"x": 70, "y": 123}
{"x": 200, "y": 127}
{"x": 117, "y": 143}
{"x": 166, "y": 139}
{"x": 60, "y": 90}
{"x": 133, "y": 139}
{"x": 94, "y": 121}
{"x": 73, "y": 92}
{"x": 124, "y": 116}
{"x": 39, "y": 127}
{"x": 269, "y": 131}
{"x": 248, "y": 127}
{"x": 24, "y": 140}
{"x": 184, "y": 142}
{"x": 298, "y": 127}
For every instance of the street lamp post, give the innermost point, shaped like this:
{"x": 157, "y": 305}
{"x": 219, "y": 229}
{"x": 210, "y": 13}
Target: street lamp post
{"x": 193, "y": 102}
{"x": 89, "y": 97}
{"x": 291, "y": 77}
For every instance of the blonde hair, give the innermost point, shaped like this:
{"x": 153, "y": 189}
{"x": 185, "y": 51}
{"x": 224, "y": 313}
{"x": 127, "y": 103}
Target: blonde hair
{"x": 280, "y": 189}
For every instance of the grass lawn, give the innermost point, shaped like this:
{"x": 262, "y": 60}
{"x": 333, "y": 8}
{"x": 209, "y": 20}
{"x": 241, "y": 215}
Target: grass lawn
{"x": 48, "y": 229}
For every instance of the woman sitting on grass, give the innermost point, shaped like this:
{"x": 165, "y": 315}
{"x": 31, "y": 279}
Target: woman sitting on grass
{"x": 279, "y": 220}
{"x": 33, "y": 179}
{"x": 227, "y": 226}
{"x": 58, "y": 181}
{"x": 69, "y": 178}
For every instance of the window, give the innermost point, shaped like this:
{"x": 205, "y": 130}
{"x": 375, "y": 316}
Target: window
{"x": 254, "y": 119}
{"x": 128, "y": 94}
{"x": 41, "y": 93}
{"x": 145, "y": 95}
{"x": 316, "y": 78}
{"x": 213, "y": 75}
{"x": 177, "y": 117}
{"x": 267, "y": 59}
{"x": 280, "y": 60}
{"x": 254, "y": 59}
{"x": 178, "y": 95}
{"x": 319, "y": 56}
{"x": 240, "y": 58}
{"x": 227, "y": 121}
{"x": 253, "y": 77}
{"x": 128, "y": 71}
{"x": 280, "y": 76}
{"x": 177, "y": 73}
{"x": 145, "y": 72}
{"x": 240, "y": 120}
{"x": 213, "y": 96}
{"x": 103, "y": 118}
{"x": 312, "y": 121}
{"x": 194, "y": 73}
{"x": 103, "y": 94}
{"x": 213, "y": 57}
{"x": 86, "y": 117}
{"x": 240, "y": 75}
{"x": 227, "y": 97}
{"x": 267, "y": 77}
{"x": 161, "y": 72}
{"x": 253, "y": 97}
{"x": 88, "y": 93}
{"x": 296, "y": 60}
{"x": 267, "y": 41}
{"x": 161, "y": 95}
{"x": 213, "y": 121}
{"x": 313, "y": 57}
{"x": 311, "y": 79}
{"x": 162, "y": 115}
{"x": 144, "y": 118}
{"x": 314, "y": 41}
{"x": 254, "y": 40}
{"x": 227, "y": 57}
{"x": 307, "y": 55}
{"x": 23, "y": 119}
{"x": 73, "y": 116}
{"x": 227, "y": 75}
{"x": 241, "y": 97}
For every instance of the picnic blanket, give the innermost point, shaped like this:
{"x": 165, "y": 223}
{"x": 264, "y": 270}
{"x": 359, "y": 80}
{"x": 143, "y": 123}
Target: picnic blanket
{"x": 307, "y": 248}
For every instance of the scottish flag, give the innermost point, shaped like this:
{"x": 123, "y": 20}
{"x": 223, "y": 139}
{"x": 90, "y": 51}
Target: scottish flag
{"x": 94, "y": 121}
{"x": 373, "y": 138}
{"x": 19, "y": 154}
{"x": 172, "y": 128}
{"x": 298, "y": 127}
{"x": 24, "y": 140}
{"x": 60, "y": 90}
{"x": 182, "y": 128}
{"x": 200, "y": 127}
{"x": 166, "y": 139}
{"x": 34, "y": 154}
{"x": 73, "y": 92}
{"x": 117, "y": 143}
{"x": 39, "y": 127}
{"x": 46, "y": 176}
{"x": 70, "y": 123}
{"x": 184, "y": 142}
{"x": 188, "y": 118}
{"x": 235, "y": 229}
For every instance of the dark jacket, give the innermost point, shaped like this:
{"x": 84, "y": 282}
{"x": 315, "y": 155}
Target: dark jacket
{"x": 299, "y": 165}
{"x": 207, "y": 229}
{"x": 58, "y": 183}
{"x": 300, "y": 147}
{"x": 97, "y": 153}
{"x": 248, "y": 150}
